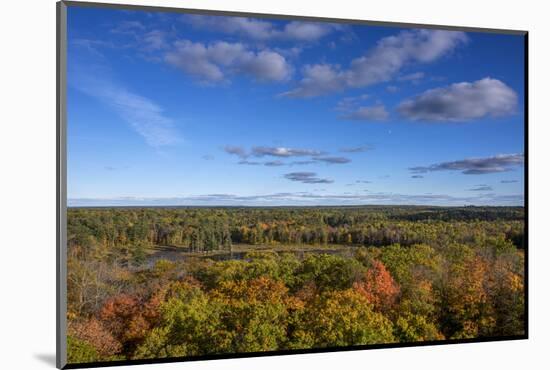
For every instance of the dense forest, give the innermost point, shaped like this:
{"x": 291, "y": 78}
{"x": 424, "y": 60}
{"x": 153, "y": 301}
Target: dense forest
{"x": 389, "y": 274}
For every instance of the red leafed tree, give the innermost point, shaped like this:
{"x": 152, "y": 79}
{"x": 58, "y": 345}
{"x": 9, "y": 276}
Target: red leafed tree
{"x": 378, "y": 286}
{"x": 94, "y": 333}
{"x": 124, "y": 316}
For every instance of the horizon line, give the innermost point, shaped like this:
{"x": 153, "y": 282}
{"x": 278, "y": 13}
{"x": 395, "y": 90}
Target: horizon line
{"x": 295, "y": 206}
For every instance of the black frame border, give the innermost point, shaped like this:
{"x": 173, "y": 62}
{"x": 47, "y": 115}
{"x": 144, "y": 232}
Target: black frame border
{"x": 61, "y": 218}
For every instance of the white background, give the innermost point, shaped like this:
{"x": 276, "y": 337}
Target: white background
{"x": 27, "y": 154}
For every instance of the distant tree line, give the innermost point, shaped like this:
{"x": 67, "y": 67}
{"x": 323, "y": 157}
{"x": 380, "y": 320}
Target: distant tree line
{"x": 208, "y": 229}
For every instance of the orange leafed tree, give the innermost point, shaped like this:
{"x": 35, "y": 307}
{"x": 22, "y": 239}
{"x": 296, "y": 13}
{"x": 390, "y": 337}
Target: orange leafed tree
{"x": 379, "y": 287}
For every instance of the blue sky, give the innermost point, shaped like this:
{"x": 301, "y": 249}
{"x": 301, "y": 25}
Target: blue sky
{"x": 172, "y": 109}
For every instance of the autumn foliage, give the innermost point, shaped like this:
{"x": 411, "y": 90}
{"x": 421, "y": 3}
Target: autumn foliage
{"x": 378, "y": 287}
{"x": 460, "y": 278}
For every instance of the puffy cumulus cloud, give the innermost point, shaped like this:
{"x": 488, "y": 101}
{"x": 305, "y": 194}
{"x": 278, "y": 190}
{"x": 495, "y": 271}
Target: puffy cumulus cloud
{"x": 476, "y": 166}
{"x": 262, "y": 30}
{"x": 212, "y": 63}
{"x": 307, "y": 178}
{"x": 376, "y": 112}
{"x": 380, "y": 64}
{"x": 463, "y": 101}
{"x": 261, "y": 151}
{"x": 318, "y": 79}
{"x": 307, "y": 31}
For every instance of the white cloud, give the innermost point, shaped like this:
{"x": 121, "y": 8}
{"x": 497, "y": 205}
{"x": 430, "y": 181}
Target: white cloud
{"x": 357, "y": 149}
{"x": 308, "y": 198}
{"x": 380, "y": 64}
{"x": 481, "y": 187}
{"x": 261, "y": 30}
{"x": 145, "y": 116}
{"x": 412, "y": 77}
{"x": 476, "y": 166}
{"x": 462, "y": 101}
{"x": 348, "y": 103}
{"x": 371, "y": 113}
{"x": 318, "y": 79}
{"x": 154, "y": 40}
{"x": 212, "y": 63}
{"x": 306, "y": 31}
{"x": 239, "y": 151}
{"x": 307, "y": 178}
{"x": 333, "y": 160}
{"x": 260, "y": 151}
{"x": 128, "y": 28}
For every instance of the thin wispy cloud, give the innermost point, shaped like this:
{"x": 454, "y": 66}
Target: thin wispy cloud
{"x": 113, "y": 168}
{"x": 350, "y": 103}
{"x": 239, "y": 151}
{"x": 380, "y": 64}
{"x": 392, "y": 89}
{"x": 374, "y": 113}
{"x": 307, "y": 178}
{"x": 412, "y": 77}
{"x": 333, "y": 160}
{"x": 261, "y": 151}
{"x": 356, "y": 149}
{"x": 154, "y": 40}
{"x": 508, "y": 181}
{"x": 274, "y": 163}
{"x": 249, "y": 163}
{"x": 316, "y": 156}
{"x": 143, "y": 36}
{"x": 301, "y": 163}
{"x": 92, "y": 47}
{"x": 143, "y": 115}
{"x": 476, "y": 166}
{"x": 127, "y": 27}
{"x": 305, "y": 198}
{"x": 481, "y": 187}
{"x": 461, "y": 102}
